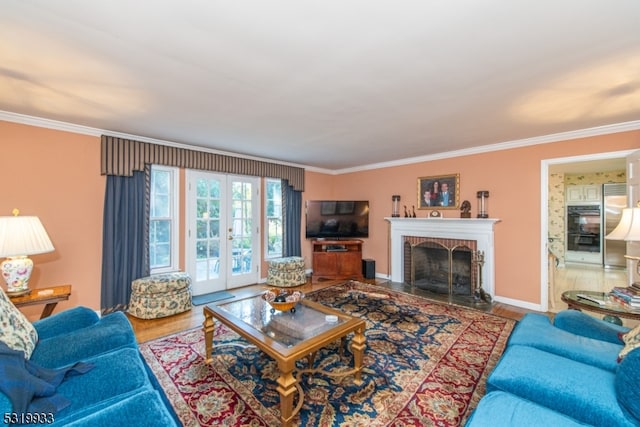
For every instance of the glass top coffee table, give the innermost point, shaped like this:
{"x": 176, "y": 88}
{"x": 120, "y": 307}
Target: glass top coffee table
{"x": 287, "y": 337}
{"x": 600, "y": 302}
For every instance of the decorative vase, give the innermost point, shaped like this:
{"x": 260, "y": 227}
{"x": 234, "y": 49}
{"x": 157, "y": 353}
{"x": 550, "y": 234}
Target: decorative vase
{"x": 16, "y": 271}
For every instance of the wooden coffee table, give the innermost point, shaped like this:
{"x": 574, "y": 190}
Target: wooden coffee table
{"x": 287, "y": 337}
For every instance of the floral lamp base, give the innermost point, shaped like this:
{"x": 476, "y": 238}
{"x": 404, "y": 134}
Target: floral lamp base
{"x": 16, "y": 271}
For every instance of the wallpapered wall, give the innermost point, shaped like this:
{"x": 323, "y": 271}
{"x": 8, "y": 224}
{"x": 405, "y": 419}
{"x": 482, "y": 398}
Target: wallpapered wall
{"x": 557, "y": 184}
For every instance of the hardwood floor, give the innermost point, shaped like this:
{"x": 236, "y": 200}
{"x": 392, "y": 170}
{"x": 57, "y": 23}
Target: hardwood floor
{"x": 146, "y": 330}
{"x": 583, "y": 277}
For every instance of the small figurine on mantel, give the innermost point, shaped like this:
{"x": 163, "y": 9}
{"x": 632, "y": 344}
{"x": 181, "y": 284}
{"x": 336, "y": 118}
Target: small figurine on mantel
{"x": 406, "y": 213}
{"x": 465, "y": 209}
{"x": 413, "y": 211}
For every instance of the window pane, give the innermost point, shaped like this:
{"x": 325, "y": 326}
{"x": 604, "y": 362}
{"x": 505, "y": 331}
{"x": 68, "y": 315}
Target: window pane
{"x": 202, "y": 208}
{"x": 160, "y": 206}
{"x": 214, "y": 190}
{"x": 161, "y": 182}
{"x": 214, "y": 249}
{"x": 162, "y": 213}
{"x": 214, "y": 228}
{"x": 201, "y": 249}
{"x": 163, "y": 255}
{"x": 160, "y": 243}
{"x": 214, "y": 209}
{"x": 201, "y": 229}
{"x": 202, "y": 188}
{"x": 273, "y": 219}
{"x": 201, "y": 270}
{"x": 162, "y": 231}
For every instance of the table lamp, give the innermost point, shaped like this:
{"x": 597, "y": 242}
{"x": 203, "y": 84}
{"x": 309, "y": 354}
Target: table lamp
{"x": 628, "y": 229}
{"x": 20, "y": 236}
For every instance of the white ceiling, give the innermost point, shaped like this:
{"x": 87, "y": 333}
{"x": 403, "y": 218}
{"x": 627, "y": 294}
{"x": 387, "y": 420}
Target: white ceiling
{"x": 332, "y": 84}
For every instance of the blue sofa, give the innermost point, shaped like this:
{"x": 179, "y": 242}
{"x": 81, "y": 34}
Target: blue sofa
{"x": 564, "y": 373}
{"x": 118, "y": 389}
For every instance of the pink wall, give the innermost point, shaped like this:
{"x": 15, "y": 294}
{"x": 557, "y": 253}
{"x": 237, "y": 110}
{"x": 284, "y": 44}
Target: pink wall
{"x": 56, "y": 176}
{"x": 513, "y": 179}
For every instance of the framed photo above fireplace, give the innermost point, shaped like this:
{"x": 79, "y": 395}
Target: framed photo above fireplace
{"x": 442, "y": 191}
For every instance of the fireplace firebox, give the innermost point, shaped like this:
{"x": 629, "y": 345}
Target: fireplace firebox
{"x": 444, "y": 266}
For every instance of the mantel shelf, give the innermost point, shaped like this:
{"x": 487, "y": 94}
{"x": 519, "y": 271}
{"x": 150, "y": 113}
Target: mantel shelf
{"x": 471, "y": 220}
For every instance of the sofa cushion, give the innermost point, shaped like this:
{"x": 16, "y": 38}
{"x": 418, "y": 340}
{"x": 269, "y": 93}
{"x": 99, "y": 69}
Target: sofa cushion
{"x": 141, "y": 410}
{"x": 536, "y": 330}
{"x": 32, "y": 388}
{"x": 110, "y": 332}
{"x": 626, "y": 383}
{"x": 15, "y": 329}
{"x": 582, "y": 324}
{"x": 578, "y": 390}
{"x": 501, "y": 409}
{"x": 116, "y": 375}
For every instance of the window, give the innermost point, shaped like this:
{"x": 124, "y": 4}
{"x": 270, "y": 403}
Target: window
{"x": 163, "y": 219}
{"x": 273, "y": 220}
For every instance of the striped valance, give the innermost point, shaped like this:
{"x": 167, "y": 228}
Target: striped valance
{"x": 124, "y": 156}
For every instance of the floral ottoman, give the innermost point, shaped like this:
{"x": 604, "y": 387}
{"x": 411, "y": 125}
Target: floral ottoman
{"x": 286, "y": 272}
{"x": 160, "y": 295}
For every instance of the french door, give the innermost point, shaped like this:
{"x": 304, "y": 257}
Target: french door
{"x": 223, "y": 245}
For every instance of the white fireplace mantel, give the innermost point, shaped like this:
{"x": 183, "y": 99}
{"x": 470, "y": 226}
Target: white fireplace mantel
{"x": 478, "y": 229}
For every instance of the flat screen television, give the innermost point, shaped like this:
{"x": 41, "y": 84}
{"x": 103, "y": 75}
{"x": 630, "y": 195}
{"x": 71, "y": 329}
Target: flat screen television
{"x": 337, "y": 219}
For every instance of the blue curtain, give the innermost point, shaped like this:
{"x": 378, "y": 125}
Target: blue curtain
{"x": 125, "y": 238}
{"x": 291, "y": 218}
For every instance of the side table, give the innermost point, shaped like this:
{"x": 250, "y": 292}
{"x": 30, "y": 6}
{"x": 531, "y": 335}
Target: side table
{"x": 50, "y": 296}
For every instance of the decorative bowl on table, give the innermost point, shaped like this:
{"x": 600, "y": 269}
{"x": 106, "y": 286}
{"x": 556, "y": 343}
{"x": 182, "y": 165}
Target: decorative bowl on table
{"x": 282, "y": 299}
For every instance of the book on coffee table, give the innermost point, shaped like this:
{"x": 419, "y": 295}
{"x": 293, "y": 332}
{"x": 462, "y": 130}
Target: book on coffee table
{"x": 302, "y": 324}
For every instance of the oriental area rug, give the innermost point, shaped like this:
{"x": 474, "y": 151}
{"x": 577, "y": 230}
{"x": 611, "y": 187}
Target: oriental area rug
{"x": 425, "y": 364}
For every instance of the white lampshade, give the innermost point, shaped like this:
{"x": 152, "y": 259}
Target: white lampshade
{"x": 23, "y": 235}
{"x": 629, "y": 226}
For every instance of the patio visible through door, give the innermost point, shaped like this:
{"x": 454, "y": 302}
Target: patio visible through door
{"x": 222, "y": 236}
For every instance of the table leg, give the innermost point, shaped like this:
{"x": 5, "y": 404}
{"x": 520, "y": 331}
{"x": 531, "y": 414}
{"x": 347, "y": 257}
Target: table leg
{"x": 208, "y": 326}
{"x": 358, "y": 344}
{"x": 286, "y": 388}
{"x": 48, "y": 309}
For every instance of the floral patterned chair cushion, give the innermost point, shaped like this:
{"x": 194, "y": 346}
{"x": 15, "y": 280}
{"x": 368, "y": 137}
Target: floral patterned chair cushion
{"x": 160, "y": 295}
{"x": 15, "y": 329}
{"x": 286, "y": 272}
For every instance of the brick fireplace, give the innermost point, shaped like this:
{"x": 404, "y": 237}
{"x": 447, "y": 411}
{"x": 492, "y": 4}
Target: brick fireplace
{"x": 440, "y": 254}
{"x": 443, "y": 266}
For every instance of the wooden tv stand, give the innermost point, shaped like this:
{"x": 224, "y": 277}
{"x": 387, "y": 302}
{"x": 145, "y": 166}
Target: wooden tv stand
{"x": 336, "y": 259}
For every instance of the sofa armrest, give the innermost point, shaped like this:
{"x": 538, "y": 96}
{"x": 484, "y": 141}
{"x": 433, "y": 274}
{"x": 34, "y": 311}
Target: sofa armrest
{"x": 111, "y": 332}
{"x": 579, "y": 323}
{"x": 65, "y": 322}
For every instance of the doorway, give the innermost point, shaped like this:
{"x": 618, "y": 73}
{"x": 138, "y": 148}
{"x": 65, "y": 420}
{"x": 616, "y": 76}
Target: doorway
{"x": 222, "y": 243}
{"x": 552, "y": 230}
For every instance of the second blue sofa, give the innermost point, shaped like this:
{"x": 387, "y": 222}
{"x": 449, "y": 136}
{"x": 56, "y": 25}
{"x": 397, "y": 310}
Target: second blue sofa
{"x": 563, "y": 374}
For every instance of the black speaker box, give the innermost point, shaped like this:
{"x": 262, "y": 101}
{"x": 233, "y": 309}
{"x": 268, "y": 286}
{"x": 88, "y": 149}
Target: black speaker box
{"x": 369, "y": 268}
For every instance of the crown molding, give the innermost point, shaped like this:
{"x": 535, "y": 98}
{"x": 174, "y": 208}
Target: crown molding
{"x": 86, "y": 130}
{"x": 545, "y": 139}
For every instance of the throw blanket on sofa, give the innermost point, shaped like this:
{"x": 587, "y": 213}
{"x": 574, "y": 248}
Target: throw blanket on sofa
{"x": 32, "y": 388}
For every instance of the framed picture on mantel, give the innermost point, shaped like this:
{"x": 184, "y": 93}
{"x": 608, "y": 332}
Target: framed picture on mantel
{"x": 442, "y": 191}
